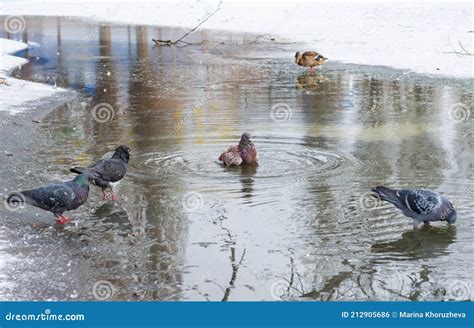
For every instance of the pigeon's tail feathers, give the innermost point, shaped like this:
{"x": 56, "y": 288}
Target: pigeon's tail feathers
{"x": 387, "y": 194}
{"x": 77, "y": 169}
{"x": 20, "y": 198}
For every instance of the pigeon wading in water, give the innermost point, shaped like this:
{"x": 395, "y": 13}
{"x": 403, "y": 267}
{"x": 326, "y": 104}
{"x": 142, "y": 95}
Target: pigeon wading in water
{"x": 421, "y": 205}
{"x": 106, "y": 171}
{"x": 56, "y": 198}
{"x": 243, "y": 153}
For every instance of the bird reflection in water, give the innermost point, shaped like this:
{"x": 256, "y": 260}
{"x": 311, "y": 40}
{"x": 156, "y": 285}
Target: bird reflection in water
{"x": 246, "y": 179}
{"x": 310, "y": 81}
{"x": 428, "y": 242}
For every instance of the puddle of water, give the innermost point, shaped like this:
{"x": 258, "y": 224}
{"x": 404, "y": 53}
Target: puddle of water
{"x": 298, "y": 226}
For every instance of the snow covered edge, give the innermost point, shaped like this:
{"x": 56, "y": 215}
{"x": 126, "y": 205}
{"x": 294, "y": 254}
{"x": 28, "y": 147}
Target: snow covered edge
{"x": 418, "y": 36}
{"x": 18, "y": 95}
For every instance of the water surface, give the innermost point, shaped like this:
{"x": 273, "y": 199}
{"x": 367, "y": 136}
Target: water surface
{"x": 299, "y": 226}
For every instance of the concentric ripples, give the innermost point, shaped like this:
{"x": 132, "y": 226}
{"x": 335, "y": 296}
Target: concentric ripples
{"x": 277, "y": 160}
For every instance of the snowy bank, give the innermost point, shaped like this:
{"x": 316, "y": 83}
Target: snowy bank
{"x": 15, "y": 93}
{"x": 8, "y": 62}
{"x": 433, "y": 38}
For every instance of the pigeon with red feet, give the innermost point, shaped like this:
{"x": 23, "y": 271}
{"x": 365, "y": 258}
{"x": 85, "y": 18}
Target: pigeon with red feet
{"x": 243, "y": 153}
{"x": 106, "y": 171}
{"x": 56, "y": 198}
{"x": 421, "y": 205}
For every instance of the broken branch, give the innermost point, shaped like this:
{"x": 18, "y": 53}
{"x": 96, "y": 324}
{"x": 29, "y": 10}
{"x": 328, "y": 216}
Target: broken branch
{"x": 180, "y": 40}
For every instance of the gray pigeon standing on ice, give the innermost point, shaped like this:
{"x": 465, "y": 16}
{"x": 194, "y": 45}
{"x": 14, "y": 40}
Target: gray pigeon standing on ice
{"x": 421, "y": 205}
{"x": 57, "y": 198}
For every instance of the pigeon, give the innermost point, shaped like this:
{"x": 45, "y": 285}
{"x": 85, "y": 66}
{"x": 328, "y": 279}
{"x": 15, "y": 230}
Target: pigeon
{"x": 243, "y": 153}
{"x": 310, "y": 59}
{"x": 105, "y": 171}
{"x": 421, "y": 205}
{"x": 56, "y": 198}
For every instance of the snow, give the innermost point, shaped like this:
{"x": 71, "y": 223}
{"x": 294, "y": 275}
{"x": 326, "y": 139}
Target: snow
{"x": 430, "y": 38}
{"x": 422, "y": 37}
{"x": 8, "y": 62}
{"x": 15, "y": 93}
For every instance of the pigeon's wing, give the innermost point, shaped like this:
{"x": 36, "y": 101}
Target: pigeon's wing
{"x": 54, "y": 198}
{"x": 231, "y": 156}
{"x": 80, "y": 169}
{"x": 96, "y": 164}
{"x": 112, "y": 170}
{"x": 420, "y": 201}
{"x": 104, "y": 171}
{"x": 389, "y": 195}
{"x": 97, "y": 179}
{"x": 107, "y": 171}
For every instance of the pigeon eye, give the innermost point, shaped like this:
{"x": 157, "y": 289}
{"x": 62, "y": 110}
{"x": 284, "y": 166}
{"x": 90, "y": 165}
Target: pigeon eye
{"x": 318, "y": 57}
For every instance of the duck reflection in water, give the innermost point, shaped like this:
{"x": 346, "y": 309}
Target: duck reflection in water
{"x": 310, "y": 81}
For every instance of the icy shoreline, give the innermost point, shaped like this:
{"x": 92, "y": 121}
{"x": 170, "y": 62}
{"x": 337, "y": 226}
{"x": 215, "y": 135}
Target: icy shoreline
{"x": 18, "y": 95}
{"x": 428, "y": 38}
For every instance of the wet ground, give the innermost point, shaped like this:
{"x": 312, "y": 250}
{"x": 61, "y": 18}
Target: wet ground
{"x": 300, "y": 226}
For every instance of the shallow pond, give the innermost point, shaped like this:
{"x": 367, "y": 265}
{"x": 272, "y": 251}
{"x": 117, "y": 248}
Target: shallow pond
{"x": 300, "y": 226}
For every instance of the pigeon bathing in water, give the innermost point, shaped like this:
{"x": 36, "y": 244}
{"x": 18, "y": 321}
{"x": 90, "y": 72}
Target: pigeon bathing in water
{"x": 419, "y": 204}
{"x": 56, "y": 198}
{"x": 104, "y": 172}
{"x": 243, "y": 153}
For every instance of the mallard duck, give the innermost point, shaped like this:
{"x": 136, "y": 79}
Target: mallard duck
{"x": 243, "y": 153}
{"x": 310, "y": 59}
